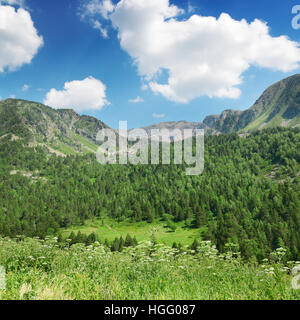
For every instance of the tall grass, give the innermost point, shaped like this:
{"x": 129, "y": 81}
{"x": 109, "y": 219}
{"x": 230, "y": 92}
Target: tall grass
{"x": 42, "y": 269}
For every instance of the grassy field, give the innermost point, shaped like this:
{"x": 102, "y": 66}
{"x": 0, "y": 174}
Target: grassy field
{"x": 109, "y": 229}
{"x": 86, "y": 142}
{"x": 44, "y": 269}
{"x": 63, "y": 148}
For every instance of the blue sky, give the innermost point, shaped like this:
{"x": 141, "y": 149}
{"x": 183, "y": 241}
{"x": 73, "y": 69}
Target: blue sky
{"x": 73, "y": 50}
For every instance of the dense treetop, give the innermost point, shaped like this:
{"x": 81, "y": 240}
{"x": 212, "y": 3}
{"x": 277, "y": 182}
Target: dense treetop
{"x": 247, "y": 195}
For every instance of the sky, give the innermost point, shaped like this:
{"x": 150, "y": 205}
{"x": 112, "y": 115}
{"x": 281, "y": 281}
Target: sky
{"x": 146, "y": 61}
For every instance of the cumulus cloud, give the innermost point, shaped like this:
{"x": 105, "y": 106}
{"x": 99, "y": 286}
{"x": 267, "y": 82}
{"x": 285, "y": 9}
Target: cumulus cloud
{"x": 19, "y": 40}
{"x": 87, "y": 94}
{"x": 202, "y": 55}
{"x": 136, "y": 100}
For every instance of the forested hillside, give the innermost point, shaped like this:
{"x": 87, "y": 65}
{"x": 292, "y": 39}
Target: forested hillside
{"x": 248, "y": 194}
{"x": 62, "y": 131}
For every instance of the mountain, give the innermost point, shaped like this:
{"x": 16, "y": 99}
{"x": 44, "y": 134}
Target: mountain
{"x": 176, "y": 125}
{"x": 61, "y": 131}
{"x": 180, "y": 125}
{"x": 279, "y": 105}
{"x": 65, "y": 132}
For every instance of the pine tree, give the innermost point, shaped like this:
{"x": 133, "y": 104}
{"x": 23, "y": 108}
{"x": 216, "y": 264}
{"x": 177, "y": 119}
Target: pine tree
{"x": 195, "y": 245}
{"x": 128, "y": 241}
{"x": 134, "y": 241}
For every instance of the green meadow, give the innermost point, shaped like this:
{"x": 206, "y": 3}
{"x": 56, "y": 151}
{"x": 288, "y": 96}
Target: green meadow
{"x": 108, "y": 228}
{"x": 38, "y": 269}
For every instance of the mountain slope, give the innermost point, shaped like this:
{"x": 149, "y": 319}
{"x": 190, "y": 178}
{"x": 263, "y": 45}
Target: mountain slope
{"x": 66, "y": 132}
{"x": 63, "y": 131}
{"x": 180, "y": 125}
{"x": 279, "y": 105}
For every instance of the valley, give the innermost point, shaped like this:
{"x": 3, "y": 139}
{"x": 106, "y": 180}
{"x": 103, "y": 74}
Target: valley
{"x": 72, "y": 221}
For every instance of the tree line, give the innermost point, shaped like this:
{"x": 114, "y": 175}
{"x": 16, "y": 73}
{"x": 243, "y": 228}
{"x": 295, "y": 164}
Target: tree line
{"x": 248, "y": 194}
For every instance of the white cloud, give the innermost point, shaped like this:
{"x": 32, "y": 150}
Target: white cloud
{"x": 19, "y": 40}
{"x": 98, "y": 26}
{"x": 13, "y": 2}
{"x": 202, "y": 55}
{"x": 87, "y": 94}
{"x": 158, "y": 115}
{"x": 136, "y": 100}
{"x": 25, "y": 87}
{"x": 93, "y": 8}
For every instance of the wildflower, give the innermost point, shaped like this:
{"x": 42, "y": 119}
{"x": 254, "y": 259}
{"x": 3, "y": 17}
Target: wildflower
{"x": 295, "y": 270}
{"x": 271, "y": 269}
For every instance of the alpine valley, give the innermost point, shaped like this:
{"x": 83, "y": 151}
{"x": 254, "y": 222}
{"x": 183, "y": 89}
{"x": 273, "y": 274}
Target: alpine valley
{"x": 71, "y": 228}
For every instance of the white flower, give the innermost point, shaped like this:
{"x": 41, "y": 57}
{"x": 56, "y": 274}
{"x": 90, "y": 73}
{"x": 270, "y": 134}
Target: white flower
{"x": 295, "y": 270}
{"x": 271, "y": 269}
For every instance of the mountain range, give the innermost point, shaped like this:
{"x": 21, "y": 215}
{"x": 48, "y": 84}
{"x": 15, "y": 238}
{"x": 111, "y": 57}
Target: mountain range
{"x": 64, "y": 131}
{"x": 279, "y": 105}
